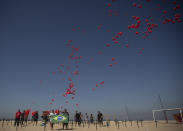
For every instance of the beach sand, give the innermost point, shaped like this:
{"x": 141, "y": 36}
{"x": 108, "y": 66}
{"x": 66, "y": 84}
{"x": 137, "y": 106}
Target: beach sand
{"x": 146, "y": 126}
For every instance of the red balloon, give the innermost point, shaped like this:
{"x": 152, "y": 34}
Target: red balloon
{"x": 134, "y": 4}
{"x": 126, "y": 45}
{"x": 138, "y": 21}
{"x": 115, "y": 42}
{"x": 102, "y": 82}
{"x": 139, "y": 6}
{"x": 164, "y": 12}
{"x": 99, "y": 52}
{"x": 137, "y": 18}
{"x": 119, "y": 33}
{"x": 133, "y": 17}
{"x": 107, "y": 30}
{"x": 137, "y": 25}
{"x": 178, "y": 6}
{"x": 113, "y": 38}
{"x": 107, "y": 45}
{"x": 108, "y": 4}
{"x": 69, "y": 79}
{"x": 174, "y": 2}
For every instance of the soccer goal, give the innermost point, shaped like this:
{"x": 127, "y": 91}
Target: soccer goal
{"x": 178, "y": 117}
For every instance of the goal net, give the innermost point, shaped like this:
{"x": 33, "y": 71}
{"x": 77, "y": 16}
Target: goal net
{"x": 168, "y": 114}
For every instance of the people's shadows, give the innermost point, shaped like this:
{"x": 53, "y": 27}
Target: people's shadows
{"x": 65, "y": 129}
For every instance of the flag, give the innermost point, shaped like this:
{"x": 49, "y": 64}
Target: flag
{"x": 59, "y": 118}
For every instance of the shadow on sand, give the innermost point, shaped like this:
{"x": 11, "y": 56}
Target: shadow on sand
{"x": 65, "y": 129}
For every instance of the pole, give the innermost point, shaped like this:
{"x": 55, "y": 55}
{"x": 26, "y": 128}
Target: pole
{"x": 126, "y": 108}
{"x": 165, "y": 115}
{"x": 137, "y": 123}
{"x": 154, "y": 116}
{"x": 181, "y": 114}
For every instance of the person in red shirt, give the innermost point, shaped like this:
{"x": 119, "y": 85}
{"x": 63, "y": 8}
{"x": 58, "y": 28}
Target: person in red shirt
{"x": 26, "y": 114}
{"x": 17, "y": 118}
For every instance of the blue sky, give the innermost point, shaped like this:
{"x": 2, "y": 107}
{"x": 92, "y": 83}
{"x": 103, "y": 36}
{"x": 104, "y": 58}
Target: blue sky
{"x": 33, "y": 39}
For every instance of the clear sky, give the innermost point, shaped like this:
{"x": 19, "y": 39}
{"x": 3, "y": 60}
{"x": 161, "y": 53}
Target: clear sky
{"x": 33, "y": 38}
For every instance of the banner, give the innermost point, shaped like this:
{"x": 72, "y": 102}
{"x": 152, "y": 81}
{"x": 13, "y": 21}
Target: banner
{"x": 59, "y": 118}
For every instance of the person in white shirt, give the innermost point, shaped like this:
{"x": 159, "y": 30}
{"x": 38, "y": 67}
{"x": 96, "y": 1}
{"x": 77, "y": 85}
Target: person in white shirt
{"x": 50, "y": 115}
{"x": 86, "y": 118}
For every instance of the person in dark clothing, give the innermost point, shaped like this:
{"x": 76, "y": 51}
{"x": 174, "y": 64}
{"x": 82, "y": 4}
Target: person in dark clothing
{"x": 17, "y": 118}
{"x": 75, "y": 118}
{"x": 66, "y": 123}
{"x": 100, "y": 118}
{"x": 79, "y": 118}
{"x": 22, "y": 118}
{"x": 35, "y": 118}
{"x": 91, "y": 119}
{"x": 45, "y": 118}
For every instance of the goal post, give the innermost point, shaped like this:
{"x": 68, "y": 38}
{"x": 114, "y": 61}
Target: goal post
{"x": 165, "y": 110}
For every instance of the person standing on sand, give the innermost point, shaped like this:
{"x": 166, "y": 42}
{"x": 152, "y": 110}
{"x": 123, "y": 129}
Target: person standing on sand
{"x": 86, "y": 118}
{"x": 45, "y": 119}
{"x": 51, "y": 114}
{"x": 17, "y": 118}
{"x": 77, "y": 118}
{"x": 3, "y": 122}
{"x": 80, "y": 118}
{"x": 36, "y": 117}
{"x": 91, "y": 119}
{"x": 32, "y": 119}
{"x": 26, "y": 114}
{"x": 66, "y": 123}
{"x": 100, "y": 118}
{"x": 22, "y": 118}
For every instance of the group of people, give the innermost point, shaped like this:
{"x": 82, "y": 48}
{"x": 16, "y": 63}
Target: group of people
{"x": 46, "y": 117}
{"x": 21, "y": 118}
{"x": 80, "y": 118}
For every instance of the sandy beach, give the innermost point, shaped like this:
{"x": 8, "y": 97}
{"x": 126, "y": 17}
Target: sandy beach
{"x": 145, "y": 126}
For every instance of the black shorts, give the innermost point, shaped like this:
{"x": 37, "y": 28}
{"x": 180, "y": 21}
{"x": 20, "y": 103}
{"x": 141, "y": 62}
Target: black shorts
{"x": 35, "y": 119}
